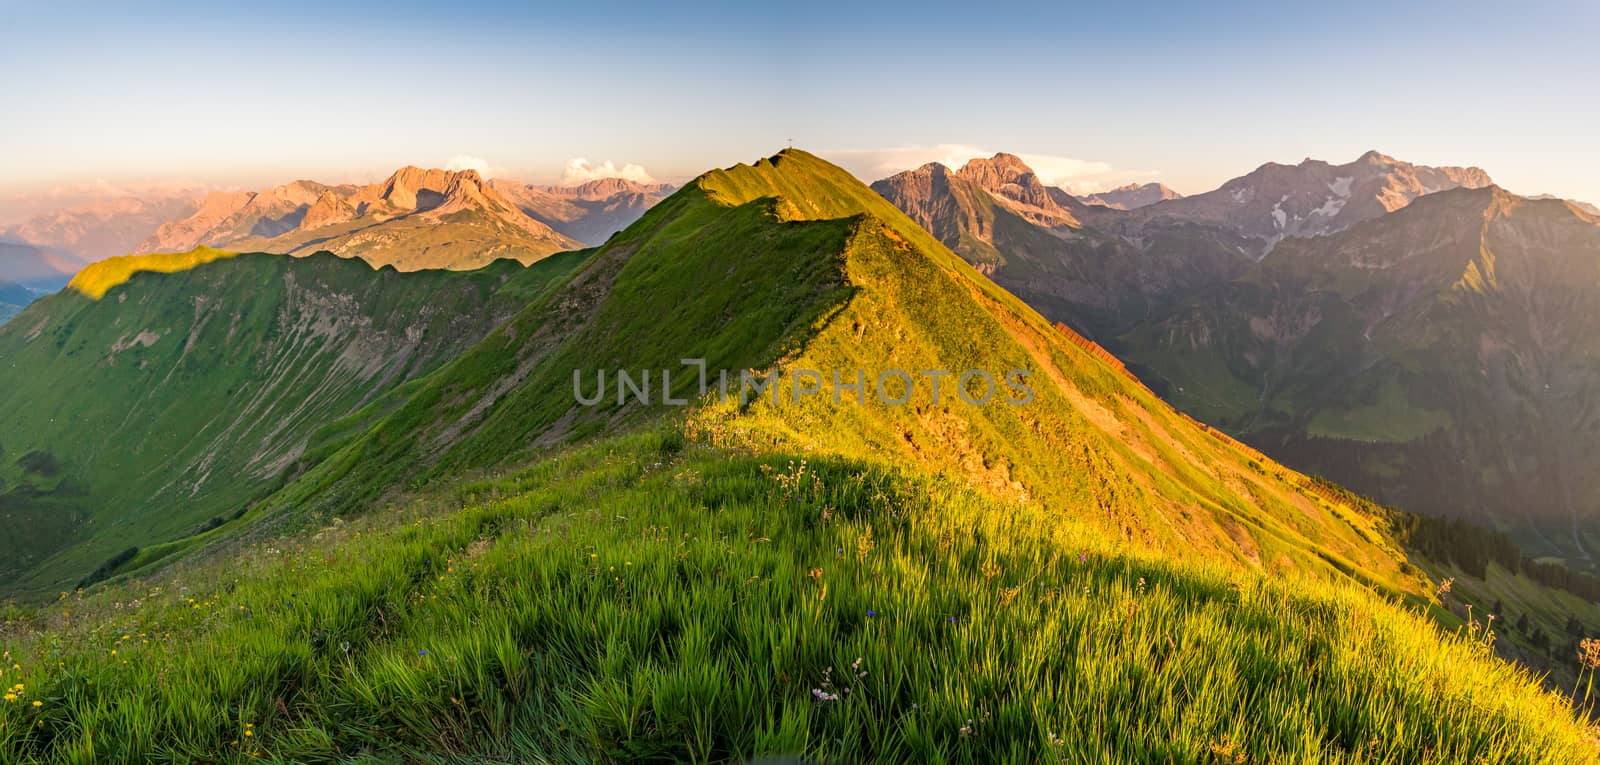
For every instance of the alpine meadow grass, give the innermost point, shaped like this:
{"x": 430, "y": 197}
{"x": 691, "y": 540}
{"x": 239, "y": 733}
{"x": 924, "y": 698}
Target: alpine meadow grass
{"x": 652, "y": 598}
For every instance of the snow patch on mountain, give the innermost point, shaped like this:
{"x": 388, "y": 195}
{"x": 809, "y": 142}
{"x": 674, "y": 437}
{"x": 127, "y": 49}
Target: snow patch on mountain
{"x": 1330, "y": 207}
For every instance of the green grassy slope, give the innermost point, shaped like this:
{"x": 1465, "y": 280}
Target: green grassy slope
{"x": 1089, "y": 577}
{"x": 650, "y": 600}
{"x": 644, "y": 300}
{"x": 160, "y": 392}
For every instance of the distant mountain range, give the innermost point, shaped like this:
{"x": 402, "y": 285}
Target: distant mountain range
{"x": 1280, "y": 201}
{"x": 589, "y": 212}
{"x": 36, "y": 267}
{"x": 1411, "y": 331}
{"x": 102, "y": 227}
{"x": 415, "y": 219}
{"x": 1132, "y": 196}
{"x": 1038, "y": 242}
{"x": 1582, "y": 206}
{"x": 42, "y": 252}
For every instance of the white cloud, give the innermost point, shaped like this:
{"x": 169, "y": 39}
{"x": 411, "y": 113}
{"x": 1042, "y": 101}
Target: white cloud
{"x": 874, "y": 164}
{"x": 468, "y": 162}
{"x": 1079, "y": 176}
{"x": 580, "y": 170}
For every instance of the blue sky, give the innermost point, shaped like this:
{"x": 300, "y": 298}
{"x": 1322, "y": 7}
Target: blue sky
{"x": 1187, "y": 93}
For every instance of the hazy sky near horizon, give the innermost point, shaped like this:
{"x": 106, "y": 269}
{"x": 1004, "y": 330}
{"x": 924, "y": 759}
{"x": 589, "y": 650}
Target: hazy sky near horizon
{"x": 1094, "y": 95}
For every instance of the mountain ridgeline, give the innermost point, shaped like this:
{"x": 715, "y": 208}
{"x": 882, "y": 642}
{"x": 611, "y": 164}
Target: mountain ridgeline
{"x": 102, "y": 226}
{"x": 1132, "y": 196}
{"x": 589, "y": 212}
{"x": 1277, "y": 201}
{"x": 416, "y": 219}
{"x": 1103, "y": 266}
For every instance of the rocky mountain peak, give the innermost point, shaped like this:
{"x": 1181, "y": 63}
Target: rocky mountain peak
{"x": 1008, "y": 177}
{"x": 998, "y": 171}
{"x": 1312, "y": 198}
{"x": 1375, "y": 157}
{"x": 413, "y": 188}
{"x": 329, "y": 208}
{"x": 600, "y": 188}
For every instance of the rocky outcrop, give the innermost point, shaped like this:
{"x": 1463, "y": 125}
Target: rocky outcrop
{"x": 192, "y": 231}
{"x": 329, "y": 209}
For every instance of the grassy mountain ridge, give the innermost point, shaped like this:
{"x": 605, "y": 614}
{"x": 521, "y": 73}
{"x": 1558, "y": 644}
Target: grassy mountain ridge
{"x": 168, "y": 390}
{"x": 1086, "y": 577}
{"x": 827, "y": 239}
{"x": 512, "y": 392}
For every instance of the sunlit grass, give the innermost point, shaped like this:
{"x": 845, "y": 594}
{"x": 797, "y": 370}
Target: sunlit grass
{"x": 649, "y": 600}
{"x": 95, "y": 280}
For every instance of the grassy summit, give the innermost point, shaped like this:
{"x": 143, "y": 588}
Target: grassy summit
{"x": 1086, "y": 578}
